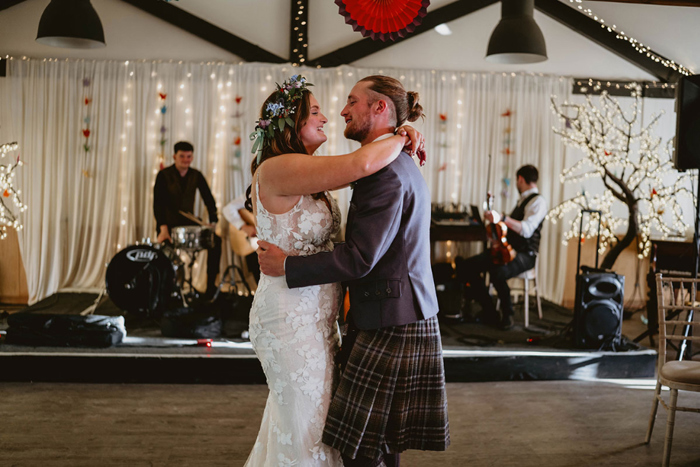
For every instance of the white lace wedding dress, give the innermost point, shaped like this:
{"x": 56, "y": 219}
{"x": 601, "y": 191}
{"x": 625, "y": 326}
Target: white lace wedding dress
{"x": 294, "y": 334}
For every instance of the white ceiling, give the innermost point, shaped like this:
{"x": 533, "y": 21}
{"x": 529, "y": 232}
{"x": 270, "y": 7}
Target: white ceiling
{"x": 672, "y": 31}
{"x": 133, "y": 34}
{"x": 130, "y": 33}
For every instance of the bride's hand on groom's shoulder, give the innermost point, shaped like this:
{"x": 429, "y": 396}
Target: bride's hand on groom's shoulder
{"x": 271, "y": 259}
{"x": 416, "y": 143}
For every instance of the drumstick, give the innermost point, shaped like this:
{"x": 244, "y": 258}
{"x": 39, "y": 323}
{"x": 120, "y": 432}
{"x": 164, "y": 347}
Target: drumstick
{"x": 192, "y": 218}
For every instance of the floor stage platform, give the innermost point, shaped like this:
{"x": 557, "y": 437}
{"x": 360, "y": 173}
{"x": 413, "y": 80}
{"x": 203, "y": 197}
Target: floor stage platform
{"x": 472, "y": 353}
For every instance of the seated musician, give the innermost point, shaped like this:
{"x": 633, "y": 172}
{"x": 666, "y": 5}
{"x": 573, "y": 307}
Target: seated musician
{"x": 243, "y": 222}
{"x": 174, "y": 191}
{"x": 524, "y": 227}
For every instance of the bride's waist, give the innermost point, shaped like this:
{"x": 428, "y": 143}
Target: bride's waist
{"x": 280, "y": 283}
{"x": 303, "y": 249}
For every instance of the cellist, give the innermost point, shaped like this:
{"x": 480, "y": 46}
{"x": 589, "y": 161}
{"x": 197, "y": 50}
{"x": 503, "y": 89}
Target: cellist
{"x": 524, "y": 226}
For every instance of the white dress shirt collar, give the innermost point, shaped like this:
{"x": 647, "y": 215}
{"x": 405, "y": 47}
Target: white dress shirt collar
{"x": 527, "y": 193}
{"x": 384, "y": 136}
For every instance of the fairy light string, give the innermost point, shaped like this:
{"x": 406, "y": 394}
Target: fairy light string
{"x": 638, "y": 46}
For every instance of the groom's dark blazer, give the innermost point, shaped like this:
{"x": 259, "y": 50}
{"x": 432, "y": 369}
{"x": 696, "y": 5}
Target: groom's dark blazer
{"x": 385, "y": 260}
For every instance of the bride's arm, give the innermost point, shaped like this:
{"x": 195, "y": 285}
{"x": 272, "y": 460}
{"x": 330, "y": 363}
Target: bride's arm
{"x": 416, "y": 141}
{"x": 301, "y": 174}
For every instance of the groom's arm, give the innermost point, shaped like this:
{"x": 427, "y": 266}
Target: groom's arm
{"x": 377, "y": 218}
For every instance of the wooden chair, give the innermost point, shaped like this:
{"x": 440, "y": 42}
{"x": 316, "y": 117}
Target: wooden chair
{"x": 678, "y": 309}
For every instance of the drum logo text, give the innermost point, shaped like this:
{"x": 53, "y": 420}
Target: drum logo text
{"x": 141, "y": 256}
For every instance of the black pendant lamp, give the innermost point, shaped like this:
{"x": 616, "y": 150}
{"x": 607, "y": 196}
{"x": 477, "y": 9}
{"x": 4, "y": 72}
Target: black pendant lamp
{"x": 71, "y": 23}
{"x": 517, "y": 38}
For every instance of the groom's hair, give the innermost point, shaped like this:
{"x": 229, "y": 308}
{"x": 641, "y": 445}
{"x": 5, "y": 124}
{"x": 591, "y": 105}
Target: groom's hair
{"x": 402, "y": 104}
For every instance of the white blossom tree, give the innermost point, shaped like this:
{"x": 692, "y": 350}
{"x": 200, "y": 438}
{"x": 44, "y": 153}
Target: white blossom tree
{"x": 8, "y": 191}
{"x": 634, "y": 167}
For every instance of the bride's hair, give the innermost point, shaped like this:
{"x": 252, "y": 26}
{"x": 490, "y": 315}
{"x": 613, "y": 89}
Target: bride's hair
{"x": 286, "y": 141}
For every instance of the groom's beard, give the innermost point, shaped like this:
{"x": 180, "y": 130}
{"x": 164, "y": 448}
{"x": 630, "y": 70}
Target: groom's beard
{"x": 357, "y": 131}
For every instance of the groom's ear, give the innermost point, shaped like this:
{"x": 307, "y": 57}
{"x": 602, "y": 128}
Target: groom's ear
{"x": 381, "y": 106}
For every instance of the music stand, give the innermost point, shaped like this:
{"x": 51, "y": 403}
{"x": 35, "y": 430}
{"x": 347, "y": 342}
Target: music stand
{"x": 476, "y": 216}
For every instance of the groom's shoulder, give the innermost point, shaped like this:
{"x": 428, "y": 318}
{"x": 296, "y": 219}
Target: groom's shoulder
{"x": 388, "y": 178}
{"x": 395, "y": 174}
{"x": 406, "y": 169}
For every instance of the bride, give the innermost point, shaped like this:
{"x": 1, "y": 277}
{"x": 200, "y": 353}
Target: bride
{"x": 294, "y": 331}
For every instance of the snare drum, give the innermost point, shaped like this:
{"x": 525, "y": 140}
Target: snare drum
{"x": 192, "y": 237}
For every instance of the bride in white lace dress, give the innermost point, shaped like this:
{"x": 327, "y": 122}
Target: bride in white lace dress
{"x": 294, "y": 331}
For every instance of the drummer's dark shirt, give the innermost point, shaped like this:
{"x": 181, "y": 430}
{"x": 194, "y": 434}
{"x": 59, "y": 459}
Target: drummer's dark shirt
{"x": 173, "y": 193}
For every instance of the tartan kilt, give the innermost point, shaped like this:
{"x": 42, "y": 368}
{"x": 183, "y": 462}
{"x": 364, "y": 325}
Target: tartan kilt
{"x": 391, "y": 395}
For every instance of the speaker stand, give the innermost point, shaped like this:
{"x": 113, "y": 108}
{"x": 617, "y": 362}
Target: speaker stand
{"x": 687, "y": 331}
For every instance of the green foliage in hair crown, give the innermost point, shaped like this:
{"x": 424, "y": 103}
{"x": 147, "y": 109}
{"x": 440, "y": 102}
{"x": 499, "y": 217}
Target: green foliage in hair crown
{"x": 277, "y": 114}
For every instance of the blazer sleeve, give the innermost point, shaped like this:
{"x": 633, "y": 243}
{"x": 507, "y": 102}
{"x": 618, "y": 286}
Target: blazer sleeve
{"x": 377, "y": 219}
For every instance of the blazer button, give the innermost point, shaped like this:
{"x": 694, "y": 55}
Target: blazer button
{"x": 366, "y": 294}
{"x": 388, "y": 290}
{"x": 378, "y": 292}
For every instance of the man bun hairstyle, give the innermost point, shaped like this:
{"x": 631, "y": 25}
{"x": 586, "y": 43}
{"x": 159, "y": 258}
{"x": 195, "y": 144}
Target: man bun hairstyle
{"x": 406, "y": 106}
{"x": 529, "y": 173}
{"x": 415, "y": 110}
{"x": 183, "y": 146}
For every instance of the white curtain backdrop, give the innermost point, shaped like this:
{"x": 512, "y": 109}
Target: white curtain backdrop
{"x": 85, "y": 206}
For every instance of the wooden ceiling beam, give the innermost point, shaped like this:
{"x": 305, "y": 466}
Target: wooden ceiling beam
{"x": 367, "y": 46}
{"x": 593, "y": 30}
{"x": 205, "y": 30}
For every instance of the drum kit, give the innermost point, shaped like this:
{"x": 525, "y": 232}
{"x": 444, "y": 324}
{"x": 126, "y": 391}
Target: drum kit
{"x": 148, "y": 278}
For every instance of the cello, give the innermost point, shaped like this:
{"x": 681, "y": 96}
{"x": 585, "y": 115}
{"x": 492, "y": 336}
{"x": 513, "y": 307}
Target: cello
{"x": 496, "y": 233}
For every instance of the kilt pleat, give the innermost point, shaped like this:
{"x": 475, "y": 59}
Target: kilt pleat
{"x": 391, "y": 396}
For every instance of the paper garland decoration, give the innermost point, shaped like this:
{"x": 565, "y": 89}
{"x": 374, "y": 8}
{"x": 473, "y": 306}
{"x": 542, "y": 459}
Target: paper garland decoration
{"x": 236, "y": 131}
{"x": 507, "y": 151}
{"x": 87, "y": 101}
{"x": 163, "y": 130}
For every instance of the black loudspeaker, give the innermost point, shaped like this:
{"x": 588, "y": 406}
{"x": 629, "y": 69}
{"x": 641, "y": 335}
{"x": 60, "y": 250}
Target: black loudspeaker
{"x": 687, "y": 145}
{"x": 598, "y": 310}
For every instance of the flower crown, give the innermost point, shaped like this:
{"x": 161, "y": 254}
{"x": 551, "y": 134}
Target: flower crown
{"x": 277, "y": 113}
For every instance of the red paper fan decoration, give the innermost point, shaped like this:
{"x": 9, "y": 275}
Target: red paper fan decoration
{"x": 383, "y": 19}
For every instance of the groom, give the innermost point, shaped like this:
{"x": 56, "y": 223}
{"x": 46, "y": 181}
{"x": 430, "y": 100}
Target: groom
{"x": 391, "y": 396}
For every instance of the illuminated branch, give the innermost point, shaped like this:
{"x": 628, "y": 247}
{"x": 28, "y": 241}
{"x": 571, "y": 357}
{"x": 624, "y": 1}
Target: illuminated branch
{"x": 8, "y": 192}
{"x": 633, "y": 166}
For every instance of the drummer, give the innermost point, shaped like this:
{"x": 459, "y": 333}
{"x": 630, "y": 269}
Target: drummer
{"x": 175, "y": 191}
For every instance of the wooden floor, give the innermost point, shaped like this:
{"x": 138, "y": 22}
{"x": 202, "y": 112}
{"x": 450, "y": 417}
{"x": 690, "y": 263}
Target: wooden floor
{"x": 559, "y": 423}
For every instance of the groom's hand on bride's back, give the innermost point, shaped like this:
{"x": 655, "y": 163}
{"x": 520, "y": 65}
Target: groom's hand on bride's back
{"x": 271, "y": 259}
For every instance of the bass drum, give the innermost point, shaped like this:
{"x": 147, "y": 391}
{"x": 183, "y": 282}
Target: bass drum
{"x": 140, "y": 278}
